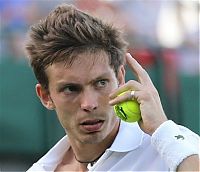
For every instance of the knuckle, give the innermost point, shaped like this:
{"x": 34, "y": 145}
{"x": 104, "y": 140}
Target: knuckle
{"x": 154, "y": 92}
{"x": 149, "y": 94}
{"x": 131, "y": 83}
{"x": 144, "y": 72}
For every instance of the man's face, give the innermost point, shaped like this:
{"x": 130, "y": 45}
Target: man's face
{"x": 80, "y": 94}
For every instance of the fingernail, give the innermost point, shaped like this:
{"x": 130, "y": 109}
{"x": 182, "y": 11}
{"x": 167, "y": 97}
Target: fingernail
{"x": 110, "y": 102}
{"x": 128, "y": 54}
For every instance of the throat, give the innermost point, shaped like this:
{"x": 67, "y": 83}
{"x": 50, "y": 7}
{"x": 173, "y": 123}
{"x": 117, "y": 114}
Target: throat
{"x": 92, "y": 162}
{"x": 91, "y": 153}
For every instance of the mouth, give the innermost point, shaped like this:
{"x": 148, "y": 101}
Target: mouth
{"x": 92, "y": 125}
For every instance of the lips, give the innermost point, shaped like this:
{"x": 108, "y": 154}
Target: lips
{"x": 92, "y": 125}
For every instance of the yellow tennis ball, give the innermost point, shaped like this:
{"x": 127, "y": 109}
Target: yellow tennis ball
{"x": 128, "y": 111}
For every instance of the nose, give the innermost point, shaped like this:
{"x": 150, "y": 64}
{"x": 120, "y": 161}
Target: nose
{"x": 89, "y": 101}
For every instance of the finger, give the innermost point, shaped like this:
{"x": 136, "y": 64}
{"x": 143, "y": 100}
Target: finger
{"x": 130, "y": 85}
{"x": 138, "y": 70}
{"x": 121, "y": 98}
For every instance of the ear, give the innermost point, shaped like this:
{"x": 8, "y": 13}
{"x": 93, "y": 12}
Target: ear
{"x": 121, "y": 75}
{"x": 44, "y": 96}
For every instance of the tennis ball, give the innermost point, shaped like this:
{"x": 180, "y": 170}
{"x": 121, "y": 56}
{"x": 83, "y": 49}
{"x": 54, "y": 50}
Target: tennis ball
{"x": 128, "y": 111}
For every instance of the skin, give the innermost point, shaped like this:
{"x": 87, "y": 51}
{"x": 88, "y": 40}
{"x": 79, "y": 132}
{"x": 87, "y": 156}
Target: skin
{"x": 145, "y": 93}
{"x": 191, "y": 163}
{"x": 96, "y": 80}
{"x": 81, "y": 95}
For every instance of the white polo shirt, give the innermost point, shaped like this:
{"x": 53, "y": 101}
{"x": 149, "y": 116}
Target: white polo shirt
{"x": 132, "y": 150}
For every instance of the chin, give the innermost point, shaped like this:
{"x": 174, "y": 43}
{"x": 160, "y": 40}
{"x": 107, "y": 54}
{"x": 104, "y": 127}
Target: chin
{"x": 109, "y": 131}
{"x": 93, "y": 138}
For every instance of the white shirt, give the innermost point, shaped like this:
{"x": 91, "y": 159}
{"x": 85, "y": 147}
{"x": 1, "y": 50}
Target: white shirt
{"x": 132, "y": 150}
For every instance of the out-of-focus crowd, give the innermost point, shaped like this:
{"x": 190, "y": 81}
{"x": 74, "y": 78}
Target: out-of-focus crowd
{"x": 167, "y": 27}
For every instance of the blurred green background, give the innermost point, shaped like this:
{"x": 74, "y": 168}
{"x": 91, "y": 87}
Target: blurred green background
{"x": 163, "y": 37}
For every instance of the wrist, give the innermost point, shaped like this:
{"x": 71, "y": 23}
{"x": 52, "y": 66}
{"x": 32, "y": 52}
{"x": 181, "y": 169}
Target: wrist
{"x": 172, "y": 144}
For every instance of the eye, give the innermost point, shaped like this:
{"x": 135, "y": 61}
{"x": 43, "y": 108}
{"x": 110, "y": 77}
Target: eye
{"x": 70, "y": 89}
{"x": 101, "y": 83}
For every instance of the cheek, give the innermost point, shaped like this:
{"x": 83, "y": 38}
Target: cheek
{"x": 105, "y": 107}
{"x": 66, "y": 113}
{"x": 104, "y": 96}
{"x": 64, "y": 119}
{"x": 104, "y": 101}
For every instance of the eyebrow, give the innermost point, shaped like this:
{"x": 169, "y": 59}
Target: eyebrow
{"x": 102, "y": 76}
{"x": 63, "y": 83}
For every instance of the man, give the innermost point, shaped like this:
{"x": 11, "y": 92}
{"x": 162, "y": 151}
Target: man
{"x": 79, "y": 63}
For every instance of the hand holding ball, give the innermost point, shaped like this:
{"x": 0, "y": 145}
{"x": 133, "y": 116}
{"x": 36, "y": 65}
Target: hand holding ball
{"x": 128, "y": 111}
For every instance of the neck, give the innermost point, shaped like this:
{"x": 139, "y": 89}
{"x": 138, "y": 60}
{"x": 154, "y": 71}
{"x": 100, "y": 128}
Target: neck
{"x": 87, "y": 162}
{"x": 89, "y": 153}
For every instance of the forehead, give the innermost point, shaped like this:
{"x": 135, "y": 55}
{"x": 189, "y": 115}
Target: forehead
{"x": 90, "y": 60}
{"x": 86, "y": 65}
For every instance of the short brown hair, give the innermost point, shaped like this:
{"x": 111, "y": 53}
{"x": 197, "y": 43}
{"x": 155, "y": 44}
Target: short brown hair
{"x": 66, "y": 32}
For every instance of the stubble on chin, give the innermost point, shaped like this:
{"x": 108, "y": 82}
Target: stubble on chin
{"x": 108, "y": 133}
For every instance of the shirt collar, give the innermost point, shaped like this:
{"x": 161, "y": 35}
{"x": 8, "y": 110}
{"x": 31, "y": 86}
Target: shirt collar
{"x": 56, "y": 153}
{"x": 128, "y": 138}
